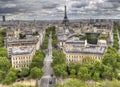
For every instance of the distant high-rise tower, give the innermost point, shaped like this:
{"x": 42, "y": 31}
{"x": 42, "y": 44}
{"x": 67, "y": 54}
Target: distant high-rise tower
{"x": 3, "y": 17}
{"x": 65, "y": 20}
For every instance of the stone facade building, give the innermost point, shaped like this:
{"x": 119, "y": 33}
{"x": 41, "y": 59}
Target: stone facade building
{"x": 21, "y": 57}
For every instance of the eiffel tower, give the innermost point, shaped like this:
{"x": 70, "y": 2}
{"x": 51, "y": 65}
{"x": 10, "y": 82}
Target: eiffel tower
{"x": 65, "y": 20}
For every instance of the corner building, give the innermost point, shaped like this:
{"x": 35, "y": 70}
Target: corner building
{"x": 21, "y": 57}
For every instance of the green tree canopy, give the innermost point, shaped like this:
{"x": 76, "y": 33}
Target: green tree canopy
{"x": 3, "y": 33}
{"x": 4, "y": 64}
{"x": 60, "y": 70}
{"x": 96, "y": 76}
{"x": 3, "y": 52}
{"x": 38, "y": 59}
{"x": 111, "y": 58}
{"x": 83, "y": 73}
{"x": 2, "y": 75}
{"x": 73, "y": 68}
{"x": 36, "y": 73}
{"x": 1, "y": 41}
{"x": 11, "y": 77}
{"x": 58, "y": 57}
{"x": 24, "y": 72}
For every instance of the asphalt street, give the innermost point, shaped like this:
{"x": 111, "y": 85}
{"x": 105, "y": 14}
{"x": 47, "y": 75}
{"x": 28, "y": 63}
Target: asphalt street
{"x": 48, "y": 80}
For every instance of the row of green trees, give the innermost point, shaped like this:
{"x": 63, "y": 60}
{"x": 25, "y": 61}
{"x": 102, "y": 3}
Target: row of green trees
{"x": 45, "y": 42}
{"x": 9, "y": 75}
{"x": 2, "y": 35}
{"x": 4, "y": 67}
{"x": 115, "y": 37}
{"x": 4, "y": 62}
{"x": 107, "y": 68}
{"x": 54, "y": 37}
{"x": 37, "y": 65}
{"x": 3, "y": 51}
{"x": 33, "y": 72}
{"x": 59, "y": 63}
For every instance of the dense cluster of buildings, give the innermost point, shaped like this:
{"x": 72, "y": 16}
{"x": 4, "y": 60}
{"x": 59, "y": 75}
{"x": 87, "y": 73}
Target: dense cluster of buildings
{"x": 24, "y": 38}
{"x": 22, "y": 50}
{"x": 76, "y": 50}
{"x": 72, "y": 39}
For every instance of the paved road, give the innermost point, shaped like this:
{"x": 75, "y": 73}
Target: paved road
{"x": 47, "y": 80}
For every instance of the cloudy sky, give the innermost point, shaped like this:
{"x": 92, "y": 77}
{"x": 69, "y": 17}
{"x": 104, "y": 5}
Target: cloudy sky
{"x": 54, "y": 9}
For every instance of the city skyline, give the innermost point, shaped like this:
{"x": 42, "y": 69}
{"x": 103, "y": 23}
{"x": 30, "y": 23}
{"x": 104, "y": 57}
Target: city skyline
{"x": 54, "y": 10}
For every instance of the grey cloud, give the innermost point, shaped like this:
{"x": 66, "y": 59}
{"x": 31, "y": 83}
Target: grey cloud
{"x": 5, "y": 0}
{"x": 54, "y": 8}
{"x": 106, "y": 5}
{"x": 114, "y": 1}
{"x": 79, "y": 5}
{"x": 8, "y": 10}
{"x": 105, "y": 8}
{"x": 49, "y": 6}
